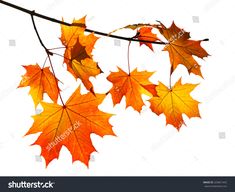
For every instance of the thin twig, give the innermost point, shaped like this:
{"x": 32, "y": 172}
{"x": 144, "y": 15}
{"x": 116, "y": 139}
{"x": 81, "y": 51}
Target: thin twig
{"x": 49, "y": 54}
{"x": 39, "y": 38}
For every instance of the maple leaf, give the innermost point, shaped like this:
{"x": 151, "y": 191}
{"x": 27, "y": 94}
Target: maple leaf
{"x": 145, "y": 33}
{"x": 132, "y": 86}
{"x": 40, "y": 80}
{"x": 70, "y": 34}
{"x": 181, "y": 49}
{"x": 174, "y": 102}
{"x": 78, "y": 52}
{"x": 71, "y": 125}
{"x": 88, "y": 41}
{"x": 81, "y": 65}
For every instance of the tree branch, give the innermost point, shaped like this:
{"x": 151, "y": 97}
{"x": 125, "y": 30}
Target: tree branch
{"x": 33, "y": 13}
{"x": 39, "y": 38}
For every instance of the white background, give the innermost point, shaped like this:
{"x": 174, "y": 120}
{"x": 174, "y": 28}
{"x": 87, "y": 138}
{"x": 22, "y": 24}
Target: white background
{"x": 144, "y": 145}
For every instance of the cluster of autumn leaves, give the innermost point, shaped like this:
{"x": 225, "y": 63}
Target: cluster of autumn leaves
{"x": 56, "y": 118}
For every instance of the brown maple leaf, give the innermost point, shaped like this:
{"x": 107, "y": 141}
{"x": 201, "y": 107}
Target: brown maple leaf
{"x": 174, "y": 102}
{"x": 40, "y": 80}
{"x": 71, "y": 125}
{"x": 132, "y": 86}
{"x": 81, "y": 65}
{"x": 181, "y": 49}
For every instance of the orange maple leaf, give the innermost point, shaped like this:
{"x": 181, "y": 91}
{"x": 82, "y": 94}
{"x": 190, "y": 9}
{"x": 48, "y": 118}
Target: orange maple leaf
{"x": 78, "y": 52}
{"x": 71, "y": 125}
{"x": 70, "y": 34}
{"x": 145, "y": 33}
{"x": 174, "y": 102}
{"x": 89, "y": 42}
{"x": 40, "y": 80}
{"x": 132, "y": 86}
{"x": 181, "y": 49}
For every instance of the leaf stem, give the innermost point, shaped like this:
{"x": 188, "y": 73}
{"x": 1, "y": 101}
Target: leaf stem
{"x": 45, "y": 62}
{"x": 171, "y": 71}
{"x": 33, "y": 13}
{"x": 55, "y": 48}
{"x": 128, "y": 58}
{"x": 53, "y": 71}
{"x": 54, "y": 53}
